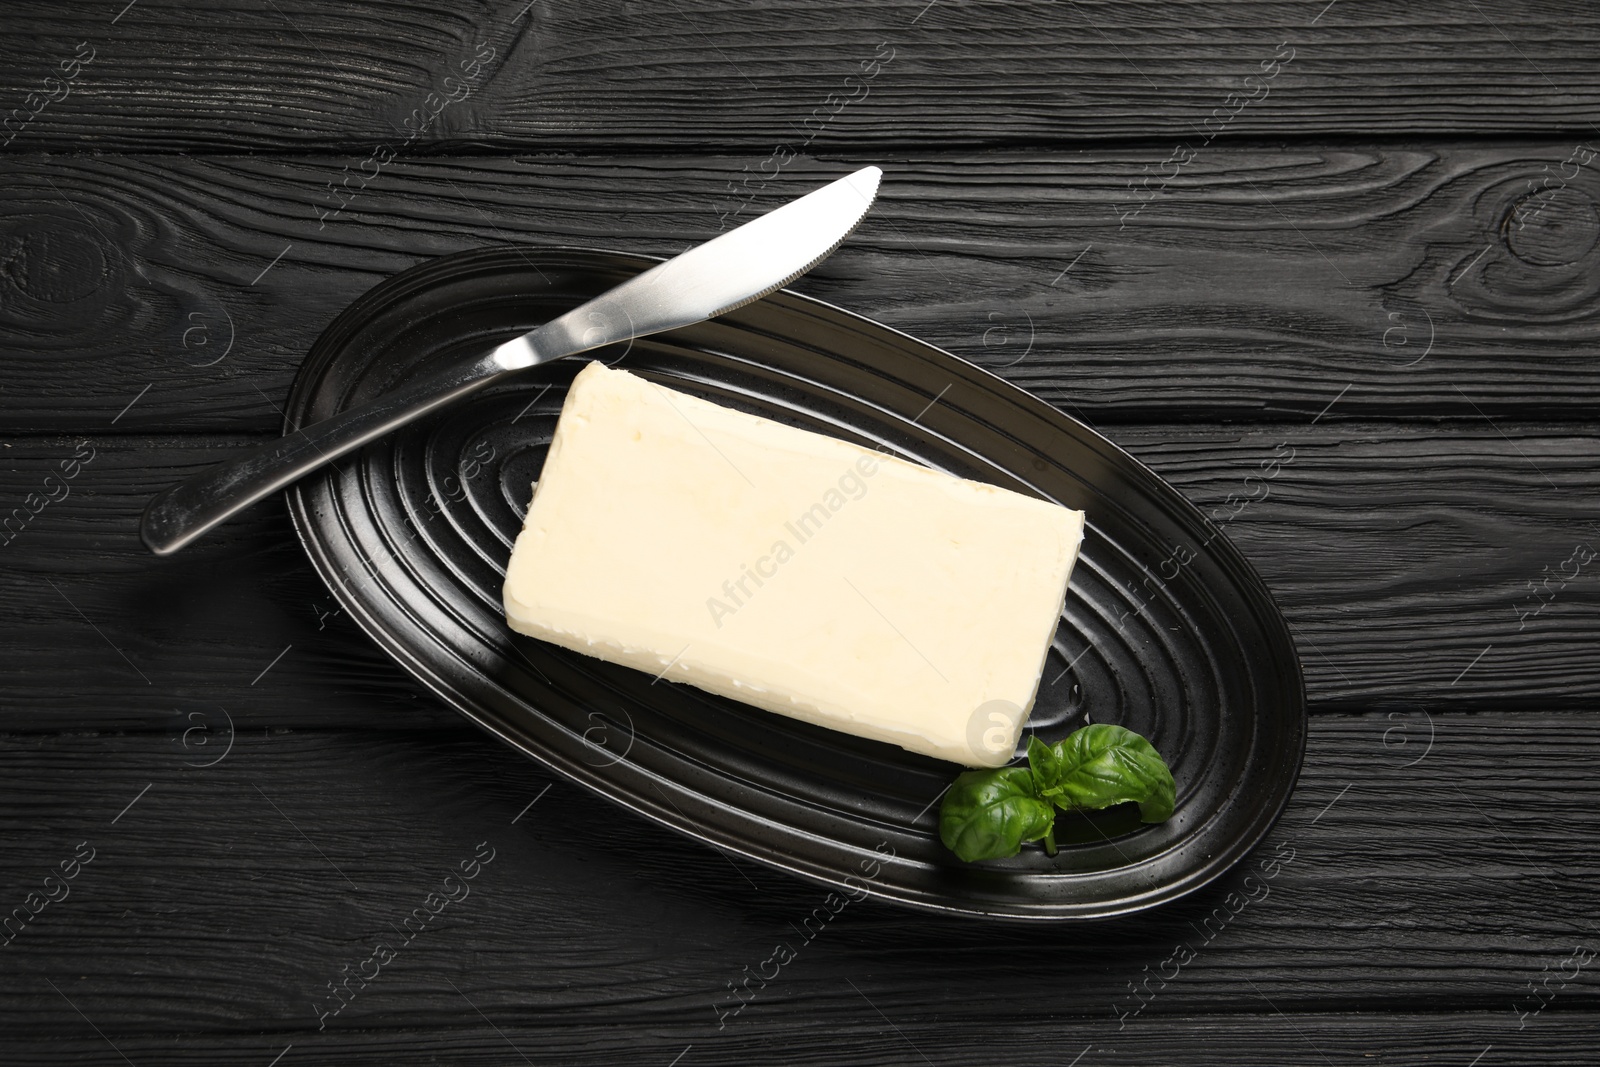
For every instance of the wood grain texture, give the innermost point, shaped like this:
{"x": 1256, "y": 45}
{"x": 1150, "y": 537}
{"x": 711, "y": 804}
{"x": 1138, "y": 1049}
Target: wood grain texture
{"x": 225, "y": 898}
{"x": 1398, "y": 1039}
{"x": 1402, "y": 558}
{"x": 1387, "y": 259}
{"x": 238, "y": 629}
{"x": 161, "y": 294}
{"x": 293, "y": 73}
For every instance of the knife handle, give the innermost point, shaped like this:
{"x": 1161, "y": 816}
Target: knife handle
{"x": 186, "y": 510}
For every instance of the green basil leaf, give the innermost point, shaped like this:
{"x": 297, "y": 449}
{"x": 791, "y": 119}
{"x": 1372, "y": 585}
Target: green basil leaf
{"x": 1102, "y": 765}
{"x": 1043, "y": 761}
{"x": 987, "y": 815}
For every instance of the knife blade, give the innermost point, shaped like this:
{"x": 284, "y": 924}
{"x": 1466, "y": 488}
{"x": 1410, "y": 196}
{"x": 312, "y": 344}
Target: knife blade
{"x": 726, "y": 272}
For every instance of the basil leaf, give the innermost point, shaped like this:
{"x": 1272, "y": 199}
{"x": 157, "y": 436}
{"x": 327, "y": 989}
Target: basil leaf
{"x": 1043, "y": 761}
{"x": 987, "y": 815}
{"x": 1102, "y": 765}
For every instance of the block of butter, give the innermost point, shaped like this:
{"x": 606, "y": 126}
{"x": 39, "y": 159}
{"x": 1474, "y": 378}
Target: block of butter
{"x": 789, "y": 570}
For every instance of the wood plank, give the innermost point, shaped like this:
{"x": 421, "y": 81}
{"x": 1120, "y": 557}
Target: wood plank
{"x": 296, "y": 74}
{"x": 226, "y": 898}
{"x": 1402, "y": 558}
{"x": 159, "y": 294}
{"x": 1562, "y": 1039}
{"x": 236, "y": 632}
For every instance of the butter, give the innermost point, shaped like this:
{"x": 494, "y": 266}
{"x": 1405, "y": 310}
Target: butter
{"x": 797, "y": 573}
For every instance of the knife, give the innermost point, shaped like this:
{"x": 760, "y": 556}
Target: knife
{"x": 727, "y": 272}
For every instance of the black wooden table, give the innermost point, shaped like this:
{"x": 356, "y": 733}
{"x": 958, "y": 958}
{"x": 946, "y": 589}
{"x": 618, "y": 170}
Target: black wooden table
{"x": 1357, "y": 232}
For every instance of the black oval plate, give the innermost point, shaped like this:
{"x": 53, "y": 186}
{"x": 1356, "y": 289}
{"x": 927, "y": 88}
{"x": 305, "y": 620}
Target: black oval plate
{"x": 1167, "y": 630}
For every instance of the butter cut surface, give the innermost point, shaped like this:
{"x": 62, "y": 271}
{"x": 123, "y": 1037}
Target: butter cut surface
{"x": 798, "y": 573}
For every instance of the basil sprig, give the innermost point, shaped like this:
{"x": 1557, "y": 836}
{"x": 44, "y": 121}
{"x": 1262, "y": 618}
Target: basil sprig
{"x": 990, "y": 814}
